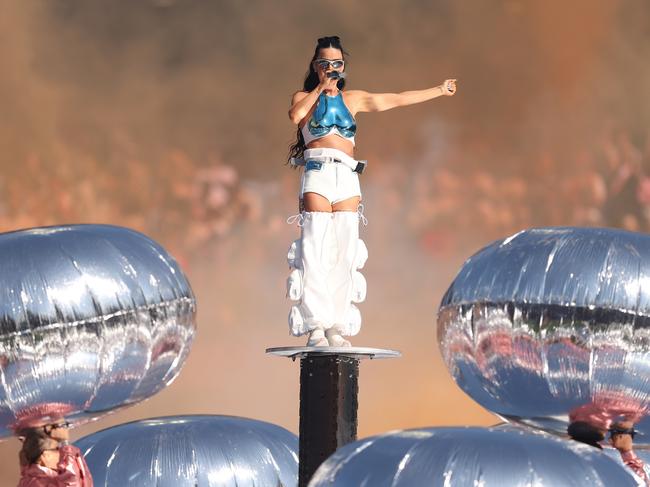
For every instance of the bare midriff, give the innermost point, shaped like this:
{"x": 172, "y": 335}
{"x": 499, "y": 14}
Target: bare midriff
{"x": 333, "y": 141}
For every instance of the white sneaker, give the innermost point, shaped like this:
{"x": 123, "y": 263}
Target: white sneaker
{"x": 334, "y": 338}
{"x": 317, "y": 338}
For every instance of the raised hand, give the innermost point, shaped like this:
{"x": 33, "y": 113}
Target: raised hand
{"x": 327, "y": 84}
{"x": 448, "y": 87}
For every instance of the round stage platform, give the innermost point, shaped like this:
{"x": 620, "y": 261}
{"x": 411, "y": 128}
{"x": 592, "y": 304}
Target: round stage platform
{"x": 355, "y": 352}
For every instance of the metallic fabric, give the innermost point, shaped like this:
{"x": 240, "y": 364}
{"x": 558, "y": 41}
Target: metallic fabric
{"x": 192, "y": 451}
{"x": 459, "y": 457}
{"x": 551, "y": 328}
{"x": 92, "y": 318}
{"x": 331, "y": 112}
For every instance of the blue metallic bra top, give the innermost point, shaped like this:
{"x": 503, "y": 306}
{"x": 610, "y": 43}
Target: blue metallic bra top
{"x": 330, "y": 115}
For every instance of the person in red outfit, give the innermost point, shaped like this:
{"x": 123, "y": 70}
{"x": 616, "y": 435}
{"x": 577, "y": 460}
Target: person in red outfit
{"x": 48, "y": 460}
{"x": 621, "y": 436}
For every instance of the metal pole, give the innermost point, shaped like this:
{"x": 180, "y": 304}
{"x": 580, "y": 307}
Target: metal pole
{"x": 329, "y": 388}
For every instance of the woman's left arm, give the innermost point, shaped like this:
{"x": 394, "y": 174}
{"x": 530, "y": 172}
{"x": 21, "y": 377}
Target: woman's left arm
{"x": 362, "y": 101}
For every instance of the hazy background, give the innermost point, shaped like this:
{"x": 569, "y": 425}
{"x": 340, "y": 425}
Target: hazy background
{"x": 170, "y": 117}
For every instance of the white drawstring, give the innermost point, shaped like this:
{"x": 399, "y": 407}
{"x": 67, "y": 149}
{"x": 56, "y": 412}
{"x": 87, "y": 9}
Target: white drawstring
{"x": 300, "y": 218}
{"x": 362, "y": 217}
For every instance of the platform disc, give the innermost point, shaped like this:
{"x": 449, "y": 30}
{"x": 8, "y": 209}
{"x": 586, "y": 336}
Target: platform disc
{"x": 356, "y": 352}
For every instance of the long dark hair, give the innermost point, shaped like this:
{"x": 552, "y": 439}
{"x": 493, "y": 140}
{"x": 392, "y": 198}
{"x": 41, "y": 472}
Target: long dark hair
{"x": 311, "y": 81}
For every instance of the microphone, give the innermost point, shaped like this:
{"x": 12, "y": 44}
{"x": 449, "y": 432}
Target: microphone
{"x": 336, "y": 75}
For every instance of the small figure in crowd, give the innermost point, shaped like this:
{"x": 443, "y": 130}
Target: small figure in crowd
{"x": 621, "y": 436}
{"x": 48, "y": 460}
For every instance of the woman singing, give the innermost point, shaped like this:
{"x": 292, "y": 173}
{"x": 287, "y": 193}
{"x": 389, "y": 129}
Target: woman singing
{"x": 325, "y": 260}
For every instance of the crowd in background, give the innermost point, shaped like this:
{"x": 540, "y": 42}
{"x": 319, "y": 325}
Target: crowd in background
{"x": 605, "y": 184}
{"x": 184, "y": 204}
{"x": 189, "y": 205}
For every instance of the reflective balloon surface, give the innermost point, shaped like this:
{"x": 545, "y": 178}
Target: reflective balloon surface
{"x": 551, "y": 327}
{"x": 460, "y": 457}
{"x": 193, "y": 451}
{"x": 643, "y": 460}
{"x": 92, "y": 318}
{"x": 637, "y": 458}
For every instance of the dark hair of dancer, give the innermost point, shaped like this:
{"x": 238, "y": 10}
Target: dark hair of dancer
{"x": 585, "y": 433}
{"x": 35, "y": 443}
{"x": 311, "y": 81}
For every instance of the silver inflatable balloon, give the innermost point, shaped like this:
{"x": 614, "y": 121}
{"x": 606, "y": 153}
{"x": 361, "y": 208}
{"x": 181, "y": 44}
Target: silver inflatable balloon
{"x": 643, "y": 458}
{"x": 92, "y": 318}
{"x": 459, "y": 457}
{"x": 551, "y": 328}
{"x": 193, "y": 451}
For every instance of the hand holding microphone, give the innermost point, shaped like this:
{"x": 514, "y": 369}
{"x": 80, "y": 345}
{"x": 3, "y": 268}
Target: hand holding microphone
{"x": 329, "y": 81}
{"x": 336, "y": 75}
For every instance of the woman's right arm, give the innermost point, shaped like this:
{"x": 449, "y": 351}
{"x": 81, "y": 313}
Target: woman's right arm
{"x": 301, "y": 103}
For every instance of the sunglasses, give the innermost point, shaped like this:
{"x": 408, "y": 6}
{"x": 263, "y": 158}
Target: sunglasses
{"x": 48, "y": 428}
{"x": 622, "y": 431}
{"x": 326, "y": 63}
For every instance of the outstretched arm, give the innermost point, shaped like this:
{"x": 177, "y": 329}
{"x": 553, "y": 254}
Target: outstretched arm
{"x": 363, "y": 101}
